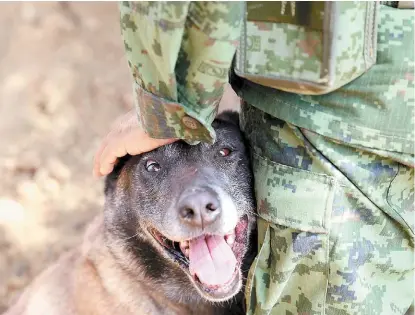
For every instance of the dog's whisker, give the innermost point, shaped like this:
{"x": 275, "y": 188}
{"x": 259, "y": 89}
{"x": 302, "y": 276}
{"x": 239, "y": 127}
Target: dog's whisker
{"x": 125, "y": 239}
{"x": 128, "y": 238}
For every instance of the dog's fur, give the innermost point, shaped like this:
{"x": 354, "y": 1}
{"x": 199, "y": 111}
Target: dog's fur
{"x": 120, "y": 268}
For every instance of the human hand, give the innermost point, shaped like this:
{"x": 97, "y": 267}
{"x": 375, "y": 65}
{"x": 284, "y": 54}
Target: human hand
{"x": 125, "y": 137}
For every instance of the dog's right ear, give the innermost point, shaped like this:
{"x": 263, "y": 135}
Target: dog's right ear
{"x": 120, "y": 163}
{"x": 229, "y": 116}
{"x": 111, "y": 179}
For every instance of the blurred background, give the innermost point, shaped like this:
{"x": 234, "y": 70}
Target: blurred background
{"x": 63, "y": 81}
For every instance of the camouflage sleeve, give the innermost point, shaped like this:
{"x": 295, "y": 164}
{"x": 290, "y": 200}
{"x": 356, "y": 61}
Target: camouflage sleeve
{"x": 179, "y": 54}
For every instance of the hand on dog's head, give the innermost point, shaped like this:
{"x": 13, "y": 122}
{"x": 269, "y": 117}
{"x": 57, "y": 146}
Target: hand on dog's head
{"x": 176, "y": 204}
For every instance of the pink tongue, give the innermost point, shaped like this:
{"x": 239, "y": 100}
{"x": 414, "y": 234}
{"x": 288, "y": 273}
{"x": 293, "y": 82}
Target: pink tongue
{"x": 212, "y": 260}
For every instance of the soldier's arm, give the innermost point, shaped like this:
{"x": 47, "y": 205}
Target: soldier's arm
{"x": 179, "y": 54}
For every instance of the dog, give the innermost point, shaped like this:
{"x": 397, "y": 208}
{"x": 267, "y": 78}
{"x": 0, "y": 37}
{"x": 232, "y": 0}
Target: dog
{"x": 176, "y": 237}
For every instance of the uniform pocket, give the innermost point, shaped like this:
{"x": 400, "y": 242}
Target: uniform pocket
{"x": 318, "y": 47}
{"x": 290, "y": 273}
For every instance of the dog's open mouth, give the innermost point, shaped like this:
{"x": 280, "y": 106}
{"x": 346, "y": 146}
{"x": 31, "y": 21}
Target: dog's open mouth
{"x": 212, "y": 261}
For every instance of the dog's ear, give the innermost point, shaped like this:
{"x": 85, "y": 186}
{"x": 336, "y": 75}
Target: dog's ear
{"x": 111, "y": 179}
{"x": 229, "y": 116}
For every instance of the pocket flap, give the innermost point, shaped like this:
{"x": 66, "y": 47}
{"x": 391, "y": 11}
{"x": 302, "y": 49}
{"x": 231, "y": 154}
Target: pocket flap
{"x": 293, "y": 197}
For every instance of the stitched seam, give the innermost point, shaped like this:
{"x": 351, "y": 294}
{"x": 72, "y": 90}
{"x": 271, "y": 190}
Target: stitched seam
{"x": 327, "y": 256}
{"x": 388, "y": 200}
{"x": 374, "y": 39}
{"x": 328, "y": 52}
{"x": 243, "y": 41}
{"x": 365, "y": 48}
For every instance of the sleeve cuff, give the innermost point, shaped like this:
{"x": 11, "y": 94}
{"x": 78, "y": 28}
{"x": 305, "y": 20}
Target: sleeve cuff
{"x": 165, "y": 119}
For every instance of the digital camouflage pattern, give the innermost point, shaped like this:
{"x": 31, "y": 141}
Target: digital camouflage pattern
{"x": 375, "y": 111}
{"x": 336, "y": 224}
{"x": 335, "y": 188}
{"x": 180, "y": 52}
{"x": 307, "y": 47}
{"x": 334, "y": 173}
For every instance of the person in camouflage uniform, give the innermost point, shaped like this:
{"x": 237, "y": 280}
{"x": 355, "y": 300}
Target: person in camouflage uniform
{"x": 327, "y": 93}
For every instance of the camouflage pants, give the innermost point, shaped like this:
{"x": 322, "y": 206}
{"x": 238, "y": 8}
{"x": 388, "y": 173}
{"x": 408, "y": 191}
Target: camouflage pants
{"x": 335, "y": 224}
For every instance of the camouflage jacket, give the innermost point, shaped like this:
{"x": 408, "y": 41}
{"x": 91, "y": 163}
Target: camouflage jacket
{"x": 180, "y": 55}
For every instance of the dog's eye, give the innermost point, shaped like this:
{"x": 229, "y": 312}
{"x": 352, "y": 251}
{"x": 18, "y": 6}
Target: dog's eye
{"x": 224, "y": 152}
{"x": 152, "y": 166}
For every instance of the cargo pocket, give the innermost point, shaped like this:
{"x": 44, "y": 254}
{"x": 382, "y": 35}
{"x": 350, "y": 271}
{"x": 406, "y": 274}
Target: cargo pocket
{"x": 281, "y": 50}
{"x": 290, "y": 272}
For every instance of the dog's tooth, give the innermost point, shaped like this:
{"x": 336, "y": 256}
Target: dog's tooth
{"x": 184, "y": 244}
{"x": 186, "y": 252}
{"x": 230, "y": 238}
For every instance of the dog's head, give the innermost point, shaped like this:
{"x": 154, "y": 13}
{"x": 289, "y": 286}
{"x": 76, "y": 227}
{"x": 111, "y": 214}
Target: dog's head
{"x": 186, "y": 213}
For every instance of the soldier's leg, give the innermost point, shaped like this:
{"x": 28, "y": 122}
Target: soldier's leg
{"x": 335, "y": 224}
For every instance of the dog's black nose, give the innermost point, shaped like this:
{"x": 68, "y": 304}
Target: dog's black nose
{"x": 199, "y": 208}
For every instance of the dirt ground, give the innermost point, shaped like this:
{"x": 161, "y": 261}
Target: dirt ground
{"x": 63, "y": 80}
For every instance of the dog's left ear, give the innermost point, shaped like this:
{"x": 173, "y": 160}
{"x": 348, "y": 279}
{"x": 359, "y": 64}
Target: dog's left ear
{"x": 229, "y": 116}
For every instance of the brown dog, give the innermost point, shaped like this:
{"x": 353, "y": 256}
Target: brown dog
{"x": 173, "y": 238}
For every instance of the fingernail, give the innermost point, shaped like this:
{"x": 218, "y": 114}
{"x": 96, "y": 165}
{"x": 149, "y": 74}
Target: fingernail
{"x": 103, "y": 172}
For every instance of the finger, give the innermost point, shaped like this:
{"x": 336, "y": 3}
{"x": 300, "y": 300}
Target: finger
{"x": 115, "y": 148}
{"x": 97, "y": 158}
{"x": 132, "y": 143}
{"x": 139, "y": 142}
{"x": 122, "y": 125}
{"x": 107, "y": 168}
